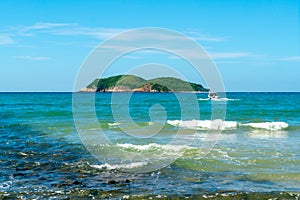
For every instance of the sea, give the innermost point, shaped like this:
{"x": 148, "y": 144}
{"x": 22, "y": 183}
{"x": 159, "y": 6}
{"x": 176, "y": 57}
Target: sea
{"x": 149, "y": 146}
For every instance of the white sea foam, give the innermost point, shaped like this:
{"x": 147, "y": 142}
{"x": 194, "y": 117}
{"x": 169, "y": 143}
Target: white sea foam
{"x": 224, "y": 125}
{"x": 213, "y": 137}
{"x": 219, "y": 99}
{"x": 114, "y": 124}
{"x": 203, "y": 99}
{"x": 119, "y": 166}
{"x": 204, "y": 124}
{"x": 266, "y": 134}
{"x": 268, "y": 125}
{"x": 146, "y": 147}
{"x": 155, "y": 152}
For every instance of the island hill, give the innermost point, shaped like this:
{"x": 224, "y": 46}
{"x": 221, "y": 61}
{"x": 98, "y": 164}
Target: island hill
{"x": 131, "y": 83}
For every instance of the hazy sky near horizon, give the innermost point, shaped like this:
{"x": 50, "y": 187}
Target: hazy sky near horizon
{"x": 254, "y": 44}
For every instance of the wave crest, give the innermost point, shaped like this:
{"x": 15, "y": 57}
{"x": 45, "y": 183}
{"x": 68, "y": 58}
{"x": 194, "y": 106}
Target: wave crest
{"x": 204, "y": 124}
{"x": 225, "y": 125}
{"x": 107, "y": 166}
{"x": 268, "y": 125}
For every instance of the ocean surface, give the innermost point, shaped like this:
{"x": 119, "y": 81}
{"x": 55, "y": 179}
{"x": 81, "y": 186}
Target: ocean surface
{"x": 163, "y": 150}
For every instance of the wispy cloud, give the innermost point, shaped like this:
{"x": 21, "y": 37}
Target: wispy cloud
{"x": 105, "y": 33}
{"x": 290, "y": 58}
{"x": 63, "y": 29}
{"x": 247, "y": 62}
{"x": 158, "y": 35}
{"x": 6, "y": 40}
{"x": 225, "y": 55}
{"x": 205, "y": 37}
{"x": 39, "y": 27}
{"x": 45, "y": 25}
{"x": 132, "y": 57}
{"x": 163, "y": 41}
{"x": 97, "y": 33}
{"x": 130, "y": 41}
{"x": 191, "y": 54}
{"x": 220, "y": 55}
{"x": 33, "y": 58}
{"x": 160, "y": 39}
{"x": 71, "y": 29}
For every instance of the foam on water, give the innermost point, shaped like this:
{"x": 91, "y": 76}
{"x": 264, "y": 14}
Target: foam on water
{"x": 204, "y": 124}
{"x": 157, "y": 151}
{"x": 272, "y": 126}
{"x": 147, "y": 147}
{"x": 266, "y": 134}
{"x": 114, "y": 124}
{"x": 250, "y": 157}
{"x": 223, "y": 125}
{"x": 205, "y": 137}
{"x": 219, "y": 99}
{"x": 107, "y": 166}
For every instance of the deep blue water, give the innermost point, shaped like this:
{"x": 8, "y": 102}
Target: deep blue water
{"x": 168, "y": 149}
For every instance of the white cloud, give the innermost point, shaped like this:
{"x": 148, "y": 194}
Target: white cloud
{"x": 33, "y": 58}
{"x": 225, "y": 55}
{"x": 130, "y": 41}
{"x": 105, "y": 33}
{"x": 158, "y": 35}
{"x": 39, "y": 27}
{"x": 131, "y": 57}
{"x": 291, "y": 58}
{"x": 70, "y": 29}
{"x": 220, "y": 55}
{"x": 175, "y": 43}
{"x": 67, "y": 29}
{"x": 247, "y": 62}
{"x": 6, "y": 40}
{"x": 45, "y": 25}
{"x": 205, "y": 37}
{"x": 188, "y": 52}
{"x": 98, "y": 33}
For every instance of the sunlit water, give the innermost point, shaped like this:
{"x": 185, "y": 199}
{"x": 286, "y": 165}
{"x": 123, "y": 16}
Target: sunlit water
{"x": 257, "y": 153}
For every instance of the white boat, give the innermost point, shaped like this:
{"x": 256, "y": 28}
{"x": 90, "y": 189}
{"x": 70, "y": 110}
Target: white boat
{"x": 212, "y": 95}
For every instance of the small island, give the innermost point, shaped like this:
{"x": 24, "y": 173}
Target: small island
{"x": 131, "y": 83}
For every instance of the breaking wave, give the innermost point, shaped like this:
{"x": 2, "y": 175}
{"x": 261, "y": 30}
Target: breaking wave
{"x": 126, "y": 156}
{"x": 204, "y": 124}
{"x": 107, "y": 166}
{"x": 225, "y": 125}
{"x": 153, "y": 146}
{"x": 268, "y": 125}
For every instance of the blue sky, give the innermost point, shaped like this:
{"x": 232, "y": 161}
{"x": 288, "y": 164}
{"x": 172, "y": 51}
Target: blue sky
{"x": 254, "y": 44}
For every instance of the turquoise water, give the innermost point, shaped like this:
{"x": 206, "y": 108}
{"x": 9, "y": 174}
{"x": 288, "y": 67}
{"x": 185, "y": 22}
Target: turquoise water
{"x": 257, "y": 153}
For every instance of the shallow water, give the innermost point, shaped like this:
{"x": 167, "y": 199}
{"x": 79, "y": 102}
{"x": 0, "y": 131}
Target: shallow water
{"x": 254, "y": 153}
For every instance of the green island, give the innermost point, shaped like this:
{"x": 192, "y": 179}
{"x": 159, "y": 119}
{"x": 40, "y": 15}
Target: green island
{"x": 131, "y": 83}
